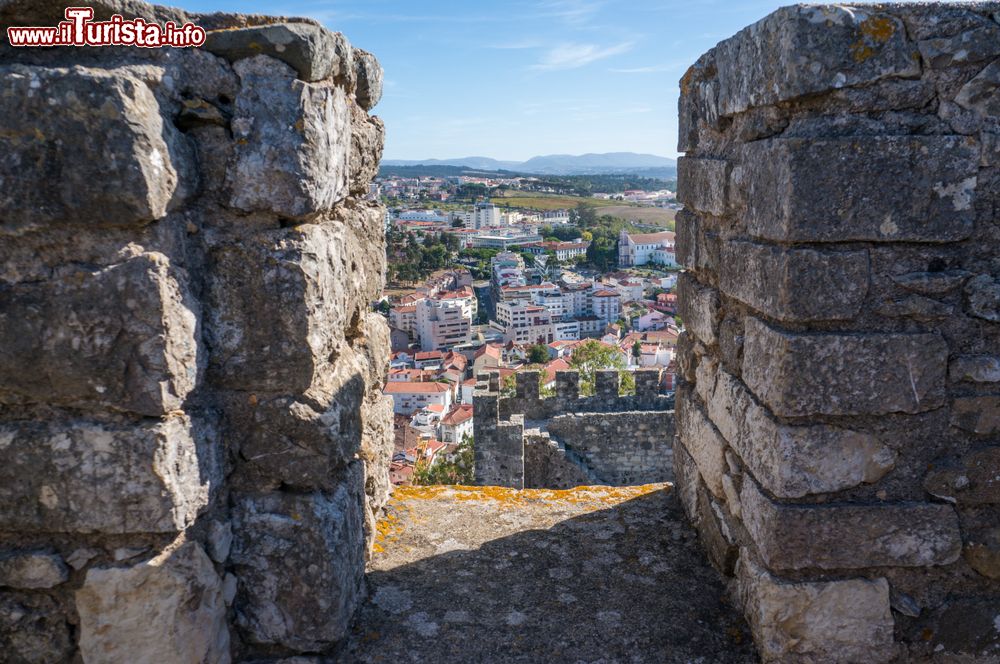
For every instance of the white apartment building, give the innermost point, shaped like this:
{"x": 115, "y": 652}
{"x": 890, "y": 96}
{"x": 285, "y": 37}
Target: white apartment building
{"x": 442, "y": 323}
{"x": 607, "y": 305}
{"x": 566, "y": 330}
{"x": 524, "y": 323}
{"x": 642, "y": 248}
{"x": 503, "y": 239}
{"x": 404, "y": 318}
{"x": 486, "y": 215}
{"x": 408, "y": 397}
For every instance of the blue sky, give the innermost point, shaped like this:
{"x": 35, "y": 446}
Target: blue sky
{"x": 518, "y": 78}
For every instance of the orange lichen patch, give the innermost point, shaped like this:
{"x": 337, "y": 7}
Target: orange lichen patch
{"x": 387, "y": 530}
{"x": 594, "y": 496}
{"x": 686, "y": 79}
{"x": 874, "y": 31}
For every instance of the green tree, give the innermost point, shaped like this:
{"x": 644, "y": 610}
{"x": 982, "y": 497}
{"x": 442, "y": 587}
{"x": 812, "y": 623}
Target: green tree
{"x": 508, "y": 386}
{"x": 591, "y": 356}
{"x": 457, "y": 470}
{"x": 538, "y": 354}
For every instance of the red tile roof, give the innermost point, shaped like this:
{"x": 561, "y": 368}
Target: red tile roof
{"x": 458, "y": 415}
{"x": 407, "y": 387}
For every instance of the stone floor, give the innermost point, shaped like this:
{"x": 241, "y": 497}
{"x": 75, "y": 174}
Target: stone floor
{"x": 594, "y": 574}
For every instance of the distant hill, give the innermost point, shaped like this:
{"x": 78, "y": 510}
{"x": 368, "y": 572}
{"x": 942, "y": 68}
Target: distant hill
{"x": 561, "y": 164}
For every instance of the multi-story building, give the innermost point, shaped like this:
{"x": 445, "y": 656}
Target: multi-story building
{"x": 486, "y": 215}
{"x": 442, "y": 323}
{"x": 408, "y": 397}
{"x": 456, "y": 424}
{"x": 606, "y": 305}
{"x": 563, "y": 251}
{"x": 642, "y": 248}
{"x": 404, "y": 318}
{"x": 524, "y": 323}
{"x": 503, "y": 239}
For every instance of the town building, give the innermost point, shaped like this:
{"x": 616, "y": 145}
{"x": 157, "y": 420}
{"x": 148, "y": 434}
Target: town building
{"x": 443, "y": 323}
{"x": 408, "y": 397}
{"x": 486, "y": 215}
{"x": 564, "y": 251}
{"x": 636, "y": 249}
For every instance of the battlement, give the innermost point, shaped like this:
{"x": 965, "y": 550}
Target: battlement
{"x": 607, "y": 437}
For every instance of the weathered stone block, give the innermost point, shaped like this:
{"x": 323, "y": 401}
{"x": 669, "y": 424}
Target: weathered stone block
{"x": 377, "y": 449}
{"x": 980, "y": 94}
{"x": 703, "y": 184}
{"x": 698, "y": 307}
{"x": 976, "y": 45}
{"x": 702, "y": 441}
{"x": 647, "y": 383}
{"x": 47, "y": 160}
{"x": 881, "y": 188}
{"x": 982, "y": 551}
{"x": 367, "y": 141}
{"x": 33, "y": 629}
{"x": 975, "y": 368}
{"x": 606, "y": 383}
{"x": 293, "y": 142}
{"x": 834, "y": 621}
{"x": 369, "y": 75}
{"x": 795, "y": 284}
{"x": 804, "y": 50}
{"x": 982, "y": 296}
{"x": 791, "y": 537}
{"x": 526, "y": 384}
{"x": 978, "y": 415}
{"x": 844, "y": 374}
{"x": 154, "y": 477}
{"x": 931, "y": 283}
{"x": 972, "y": 480}
{"x": 289, "y": 441}
{"x": 31, "y": 570}
{"x": 299, "y": 559}
{"x": 791, "y": 461}
{"x": 501, "y": 463}
{"x": 169, "y": 609}
{"x": 311, "y": 50}
{"x": 687, "y": 480}
{"x": 123, "y": 338}
{"x": 279, "y": 305}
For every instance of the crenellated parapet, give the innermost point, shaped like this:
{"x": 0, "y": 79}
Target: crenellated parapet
{"x": 837, "y": 418}
{"x": 616, "y": 438}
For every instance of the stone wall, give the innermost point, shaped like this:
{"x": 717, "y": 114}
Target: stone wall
{"x": 565, "y": 440}
{"x": 837, "y": 420}
{"x": 193, "y": 440}
{"x": 620, "y": 448}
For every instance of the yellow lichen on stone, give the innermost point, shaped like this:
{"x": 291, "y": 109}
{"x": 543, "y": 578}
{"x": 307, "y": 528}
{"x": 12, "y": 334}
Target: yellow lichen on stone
{"x": 597, "y": 496}
{"x": 874, "y": 31}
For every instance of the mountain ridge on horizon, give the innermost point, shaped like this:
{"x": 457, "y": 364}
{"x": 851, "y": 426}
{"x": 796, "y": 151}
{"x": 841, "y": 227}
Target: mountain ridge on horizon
{"x": 553, "y": 164}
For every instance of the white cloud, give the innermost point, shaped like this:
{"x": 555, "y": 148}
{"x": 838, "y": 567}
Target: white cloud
{"x": 570, "y": 55}
{"x": 575, "y": 12}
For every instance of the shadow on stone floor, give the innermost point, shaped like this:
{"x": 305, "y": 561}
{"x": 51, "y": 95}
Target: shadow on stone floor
{"x": 475, "y": 578}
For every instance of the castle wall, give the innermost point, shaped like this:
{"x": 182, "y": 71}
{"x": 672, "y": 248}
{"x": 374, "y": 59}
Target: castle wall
{"x": 620, "y": 448}
{"x": 837, "y": 419}
{"x": 193, "y": 440}
{"x": 548, "y": 465}
{"x": 606, "y": 438}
